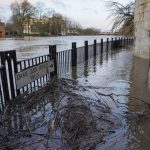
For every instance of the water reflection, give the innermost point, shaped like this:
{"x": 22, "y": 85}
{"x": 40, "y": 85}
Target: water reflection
{"x": 115, "y": 71}
{"x": 107, "y": 53}
{"x": 86, "y": 68}
{"x": 101, "y": 59}
{"x": 74, "y": 72}
{"x": 139, "y": 79}
{"x": 139, "y": 130}
{"x": 129, "y": 75}
{"x": 139, "y": 124}
{"x": 94, "y": 64}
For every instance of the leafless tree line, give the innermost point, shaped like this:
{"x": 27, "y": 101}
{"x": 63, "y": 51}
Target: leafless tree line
{"x": 41, "y": 20}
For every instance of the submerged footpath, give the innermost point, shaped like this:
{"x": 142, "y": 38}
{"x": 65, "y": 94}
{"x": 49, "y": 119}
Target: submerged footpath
{"x": 60, "y": 116}
{"x": 96, "y": 110}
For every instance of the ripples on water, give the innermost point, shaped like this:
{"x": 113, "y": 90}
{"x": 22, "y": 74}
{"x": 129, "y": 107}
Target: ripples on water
{"x": 37, "y": 46}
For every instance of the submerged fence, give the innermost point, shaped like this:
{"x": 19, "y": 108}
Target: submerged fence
{"x": 67, "y": 60}
{"x": 18, "y": 77}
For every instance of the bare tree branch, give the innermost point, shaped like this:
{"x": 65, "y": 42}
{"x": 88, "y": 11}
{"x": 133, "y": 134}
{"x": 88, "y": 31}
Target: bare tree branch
{"x": 123, "y": 16}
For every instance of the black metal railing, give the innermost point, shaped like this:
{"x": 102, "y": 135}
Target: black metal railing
{"x": 28, "y": 63}
{"x": 68, "y": 59}
{"x": 9, "y": 67}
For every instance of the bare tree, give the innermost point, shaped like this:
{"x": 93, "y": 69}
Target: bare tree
{"x": 123, "y": 16}
{"x": 22, "y": 13}
{"x": 47, "y": 17}
{"x": 40, "y": 10}
{"x": 1, "y": 14}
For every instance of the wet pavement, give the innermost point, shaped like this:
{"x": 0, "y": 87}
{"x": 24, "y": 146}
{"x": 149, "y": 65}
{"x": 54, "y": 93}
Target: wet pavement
{"x": 102, "y": 104}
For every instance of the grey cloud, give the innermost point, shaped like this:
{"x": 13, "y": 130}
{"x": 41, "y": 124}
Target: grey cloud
{"x": 90, "y": 10}
{"x": 61, "y": 4}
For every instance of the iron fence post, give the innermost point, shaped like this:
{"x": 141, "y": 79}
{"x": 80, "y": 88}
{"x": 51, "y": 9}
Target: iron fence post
{"x": 11, "y": 56}
{"x": 4, "y": 77}
{"x": 95, "y": 43}
{"x": 124, "y": 41}
{"x": 74, "y": 54}
{"x": 107, "y": 44}
{"x": 86, "y": 50}
{"x": 101, "y": 45}
{"x": 53, "y": 56}
{"x": 112, "y": 43}
{"x": 15, "y": 68}
{"x": 121, "y": 41}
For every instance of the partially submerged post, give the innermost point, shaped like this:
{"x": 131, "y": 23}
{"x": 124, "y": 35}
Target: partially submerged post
{"x": 74, "y": 54}
{"x": 74, "y": 60}
{"x": 112, "y": 41}
{"x": 101, "y": 45}
{"x": 86, "y": 50}
{"x": 95, "y": 43}
{"x": 53, "y": 53}
{"x": 107, "y": 44}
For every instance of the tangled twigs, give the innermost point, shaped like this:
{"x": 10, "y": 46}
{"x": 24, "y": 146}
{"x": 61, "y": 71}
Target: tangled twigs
{"x": 61, "y": 115}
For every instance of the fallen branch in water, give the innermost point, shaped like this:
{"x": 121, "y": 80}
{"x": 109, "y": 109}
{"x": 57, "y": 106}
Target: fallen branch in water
{"x": 61, "y": 111}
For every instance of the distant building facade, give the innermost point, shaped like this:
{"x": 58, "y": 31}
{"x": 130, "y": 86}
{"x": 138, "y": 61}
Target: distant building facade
{"x": 51, "y": 26}
{"x": 35, "y": 27}
{"x": 2, "y": 30}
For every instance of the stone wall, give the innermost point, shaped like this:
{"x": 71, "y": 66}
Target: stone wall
{"x": 142, "y": 28}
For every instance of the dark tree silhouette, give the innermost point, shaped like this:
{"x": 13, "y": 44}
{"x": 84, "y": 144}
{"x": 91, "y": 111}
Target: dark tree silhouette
{"x": 123, "y": 17}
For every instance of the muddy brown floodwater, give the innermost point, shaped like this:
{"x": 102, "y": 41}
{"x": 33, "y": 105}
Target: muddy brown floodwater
{"x": 102, "y": 104}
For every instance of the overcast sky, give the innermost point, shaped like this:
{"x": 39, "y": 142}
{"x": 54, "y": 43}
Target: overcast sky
{"x": 89, "y": 13}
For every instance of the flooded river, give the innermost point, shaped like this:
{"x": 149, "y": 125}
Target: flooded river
{"x": 118, "y": 79}
{"x": 29, "y": 47}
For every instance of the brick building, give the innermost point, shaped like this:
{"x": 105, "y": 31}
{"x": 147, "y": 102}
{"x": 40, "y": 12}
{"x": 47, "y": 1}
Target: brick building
{"x": 2, "y": 30}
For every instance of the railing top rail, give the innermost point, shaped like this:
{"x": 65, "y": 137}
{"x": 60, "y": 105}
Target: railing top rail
{"x": 9, "y": 51}
{"x": 31, "y": 58}
{"x": 64, "y": 51}
{"x": 80, "y": 47}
